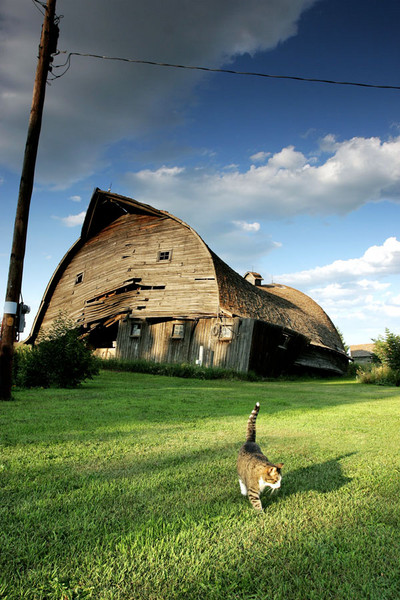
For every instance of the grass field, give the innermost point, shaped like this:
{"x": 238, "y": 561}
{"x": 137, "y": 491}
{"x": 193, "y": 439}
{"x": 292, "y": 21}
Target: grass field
{"x": 126, "y": 489}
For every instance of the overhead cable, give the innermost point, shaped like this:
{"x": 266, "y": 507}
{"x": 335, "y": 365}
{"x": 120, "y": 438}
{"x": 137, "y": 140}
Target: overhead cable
{"x": 229, "y": 71}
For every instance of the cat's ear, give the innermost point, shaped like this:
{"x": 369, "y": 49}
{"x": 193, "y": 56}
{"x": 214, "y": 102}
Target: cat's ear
{"x": 279, "y": 465}
{"x": 271, "y": 470}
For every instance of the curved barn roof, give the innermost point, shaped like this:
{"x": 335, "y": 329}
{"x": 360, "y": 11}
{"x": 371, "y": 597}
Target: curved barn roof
{"x": 278, "y": 304}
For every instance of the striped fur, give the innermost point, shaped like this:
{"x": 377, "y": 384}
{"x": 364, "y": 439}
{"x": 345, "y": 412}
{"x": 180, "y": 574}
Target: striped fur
{"x": 255, "y": 471}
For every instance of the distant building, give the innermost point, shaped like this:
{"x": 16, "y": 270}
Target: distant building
{"x": 362, "y": 353}
{"x": 141, "y": 283}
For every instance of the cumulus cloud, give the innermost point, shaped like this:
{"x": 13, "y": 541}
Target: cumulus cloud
{"x": 247, "y": 226}
{"x": 75, "y": 198}
{"x": 357, "y": 171}
{"x": 360, "y": 290}
{"x": 98, "y": 103}
{"x": 162, "y": 174}
{"x": 377, "y": 261}
{"x": 73, "y": 220}
{"x": 260, "y": 156}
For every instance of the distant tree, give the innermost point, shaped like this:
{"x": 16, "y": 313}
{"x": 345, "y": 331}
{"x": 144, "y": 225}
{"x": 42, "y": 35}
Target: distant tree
{"x": 387, "y": 349}
{"x": 345, "y": 346}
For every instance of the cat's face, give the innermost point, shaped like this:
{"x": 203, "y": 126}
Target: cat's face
{"x": 272, "y": 476}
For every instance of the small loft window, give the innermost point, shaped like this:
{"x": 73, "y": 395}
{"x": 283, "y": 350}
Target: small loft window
{"x": 79, "y": 278}
{"x": 136, "y": 330}
{"x": 164, "y": 256}
{"x": 178, "y": 331}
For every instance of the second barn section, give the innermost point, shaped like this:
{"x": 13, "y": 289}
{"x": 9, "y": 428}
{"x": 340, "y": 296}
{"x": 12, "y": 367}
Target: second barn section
{"x": 141, "y": 283}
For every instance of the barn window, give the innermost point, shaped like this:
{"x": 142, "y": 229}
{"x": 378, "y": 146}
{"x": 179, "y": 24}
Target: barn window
{"x": 136, "y": 330}
{"x": 79, "y": 278}
{"x": 178, "y": 331}
{"x": 164, "y": 255}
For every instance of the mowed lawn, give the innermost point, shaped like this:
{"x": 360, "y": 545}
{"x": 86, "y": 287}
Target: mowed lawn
{"x": 127, "y": 489}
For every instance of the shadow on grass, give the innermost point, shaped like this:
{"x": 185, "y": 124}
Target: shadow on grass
{"x": 323, "y": 477}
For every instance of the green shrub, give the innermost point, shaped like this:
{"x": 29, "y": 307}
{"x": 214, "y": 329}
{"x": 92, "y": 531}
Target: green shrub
{"x": 378, "y": 375}
{"x": 59, "y": 359}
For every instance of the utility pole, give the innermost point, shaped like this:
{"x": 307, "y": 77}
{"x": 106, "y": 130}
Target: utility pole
{"x": 47, "y": 47}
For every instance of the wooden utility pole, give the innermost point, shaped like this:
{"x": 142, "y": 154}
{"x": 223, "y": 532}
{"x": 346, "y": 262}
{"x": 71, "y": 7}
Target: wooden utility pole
{"x": 47, "y": 47}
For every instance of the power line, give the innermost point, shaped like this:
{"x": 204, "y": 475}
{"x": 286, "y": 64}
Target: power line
{"x": 67, "y": 64}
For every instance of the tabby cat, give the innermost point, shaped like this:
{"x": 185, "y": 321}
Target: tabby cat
{"x": 254, "y": 469}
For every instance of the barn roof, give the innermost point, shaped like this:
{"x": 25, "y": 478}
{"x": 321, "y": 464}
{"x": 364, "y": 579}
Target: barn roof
{"x": 278, "y": 304}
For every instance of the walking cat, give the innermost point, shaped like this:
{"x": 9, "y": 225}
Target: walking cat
{"x": 254, "y": 469}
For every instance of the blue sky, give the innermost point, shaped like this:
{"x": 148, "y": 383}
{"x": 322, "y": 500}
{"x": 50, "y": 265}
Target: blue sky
{"x": 298, "y": 181}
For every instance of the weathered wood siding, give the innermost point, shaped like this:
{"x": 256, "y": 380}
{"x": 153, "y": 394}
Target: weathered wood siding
{"x": 121, "y": 273}
{"x": 156, "y": 343}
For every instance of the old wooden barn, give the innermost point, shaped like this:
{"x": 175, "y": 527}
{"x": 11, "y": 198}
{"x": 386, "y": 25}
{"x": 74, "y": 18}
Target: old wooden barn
{"x": 143, "y": 284}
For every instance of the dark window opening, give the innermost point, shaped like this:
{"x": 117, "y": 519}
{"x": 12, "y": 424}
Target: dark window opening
{"x": 284, "y": 341}
{"x": 103, "y": 337}
{"x": 79, "y": 278}
{"x": 178, "y": 331}
{"x": 136, "y": 330}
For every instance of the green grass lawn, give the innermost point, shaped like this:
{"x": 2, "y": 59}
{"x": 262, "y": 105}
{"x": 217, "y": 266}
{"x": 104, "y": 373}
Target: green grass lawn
{"x": 127, "y": 489}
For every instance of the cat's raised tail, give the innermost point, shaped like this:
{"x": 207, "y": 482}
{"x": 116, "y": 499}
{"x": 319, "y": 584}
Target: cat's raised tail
{"x": 251, "y": 424}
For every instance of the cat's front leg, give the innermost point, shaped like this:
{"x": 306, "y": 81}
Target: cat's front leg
{"x": 255, "y": 500}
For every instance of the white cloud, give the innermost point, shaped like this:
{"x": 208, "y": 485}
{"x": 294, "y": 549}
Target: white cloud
{"x": 75, "y": 198}
{"x": 260, "y": 156}
{"x": 247, "y": 226}
{"x": 287, "y": 159}
{"x": 73, "y": 220}
{"x": 373, "y": 285}
{"x": 328, "y": 143}
{"x": 359, "y": 171}
{"x": 162, "y": 173}
{"x": 357, "y": 304}
{"x": 332, "y": 291}
{"x": 377, "y": 261}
